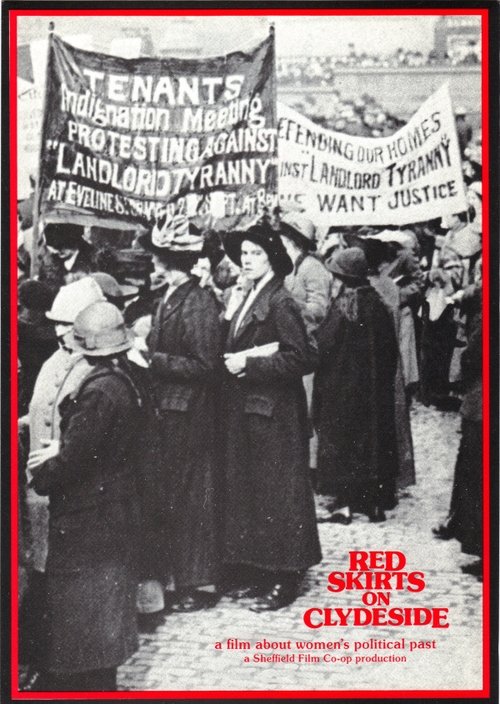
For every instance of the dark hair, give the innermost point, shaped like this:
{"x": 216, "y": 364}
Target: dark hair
{"x": 377, "y": 252}
{"x": 212, "y": 248}
{"x": 62, "y": 235}
{"x": 35, "y": 295}
{"x": 183, "y": 261}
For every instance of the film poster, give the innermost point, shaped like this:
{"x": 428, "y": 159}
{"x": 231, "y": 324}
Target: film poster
{"x": 366, "y": 120}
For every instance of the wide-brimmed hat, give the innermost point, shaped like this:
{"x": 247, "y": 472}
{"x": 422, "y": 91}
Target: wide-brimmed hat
{"x": 401, "y": 237}
{"x": 348, "y": 264}
{"x": 267, "y": 238}
{"x": 299, "y": 229}
{"x": 112, "y": 289}
{"x": 173, "y": 234}
{"x": 61, "y": 235}
{"x": 73, "y": 298}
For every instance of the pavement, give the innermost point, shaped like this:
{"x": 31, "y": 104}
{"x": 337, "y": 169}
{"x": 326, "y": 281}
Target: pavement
{"x": 192, "y": 651}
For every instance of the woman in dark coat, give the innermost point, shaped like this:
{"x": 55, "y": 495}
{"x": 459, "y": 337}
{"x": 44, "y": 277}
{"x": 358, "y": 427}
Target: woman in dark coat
{"x": 354, "y": 395}
{"x": 465, "y": 518}
{"x": 91, "y": 478}
{"x": 270, "y": 536}
{"x": 184, "y": 348}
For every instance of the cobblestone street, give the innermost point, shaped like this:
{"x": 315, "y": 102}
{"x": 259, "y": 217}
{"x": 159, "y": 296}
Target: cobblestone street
{"x": 181, "y": 655}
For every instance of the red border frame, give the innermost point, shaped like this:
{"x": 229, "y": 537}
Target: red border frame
{"x": 251, "y": 694}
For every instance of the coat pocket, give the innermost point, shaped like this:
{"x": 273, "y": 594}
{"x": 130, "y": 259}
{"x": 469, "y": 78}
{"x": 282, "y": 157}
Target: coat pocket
{"x": 259, "y": 406}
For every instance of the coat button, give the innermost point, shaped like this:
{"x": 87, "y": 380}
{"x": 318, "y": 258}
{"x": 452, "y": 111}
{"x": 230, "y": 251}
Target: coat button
{"x": 62, "y": 531}
{"x": 101, "y": 488}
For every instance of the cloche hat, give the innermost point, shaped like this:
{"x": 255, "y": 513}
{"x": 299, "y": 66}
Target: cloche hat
{"x": 100, "y": 331}
{"x": 298, "y": 228}
{"x": 348, "y": 264}
{"x": 73, "y": 298}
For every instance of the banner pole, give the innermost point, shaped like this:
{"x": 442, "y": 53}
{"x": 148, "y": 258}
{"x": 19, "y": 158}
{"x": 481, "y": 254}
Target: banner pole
{"x": 273, "y": 215}
{"x": 36, "y": 205}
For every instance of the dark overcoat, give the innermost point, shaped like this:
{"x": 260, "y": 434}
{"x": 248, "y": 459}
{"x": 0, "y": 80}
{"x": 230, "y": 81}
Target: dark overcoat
{"x": 269, "y": 517}
{"x": 185, "y": 360}
{"x": 93, "y": 525}
{"x": 353, "y": 401}
{"x": 466, "y": 510}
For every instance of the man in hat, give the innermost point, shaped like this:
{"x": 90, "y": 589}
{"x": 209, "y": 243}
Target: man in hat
{"x": 184, "y": 351}
{"x": 464, "y": 130}
{"x": 67, "y": 256}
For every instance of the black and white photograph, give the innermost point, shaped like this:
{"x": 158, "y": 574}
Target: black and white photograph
{"x": 250, "y": 341}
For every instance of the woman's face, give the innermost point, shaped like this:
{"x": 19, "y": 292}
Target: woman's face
{"x": 62, "y": 330}
{"x": 474, "y": 200}
{"x": 159, "y": 266}
{"x": 254, "y": 261}
{"x": 449, "y": 221}
{"x": 336, "y": 286}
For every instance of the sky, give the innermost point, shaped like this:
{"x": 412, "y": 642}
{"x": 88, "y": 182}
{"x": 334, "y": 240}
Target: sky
{"x": 209, "y": 36}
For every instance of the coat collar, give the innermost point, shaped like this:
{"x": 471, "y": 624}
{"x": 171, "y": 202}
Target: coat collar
{"x": 177, "y": 298}
{"x": 259, "y": 310}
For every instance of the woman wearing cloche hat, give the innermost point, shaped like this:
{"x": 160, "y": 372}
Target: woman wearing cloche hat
{"x": 270, "y": 536}
{"x": 184, "y": 350}
{"x": 354, "y": 395}
{"x": 91, "y": 478}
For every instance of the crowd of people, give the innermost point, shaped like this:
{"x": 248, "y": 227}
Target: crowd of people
{"x": 320, "y": 70}
{"x": 363, "y": 117}
{"x": 183, "y": 429}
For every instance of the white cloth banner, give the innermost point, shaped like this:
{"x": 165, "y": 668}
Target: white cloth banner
{"x": 30, "y": 111}
{"x": 413, "y": 175}
{"x": 29, "y": 129}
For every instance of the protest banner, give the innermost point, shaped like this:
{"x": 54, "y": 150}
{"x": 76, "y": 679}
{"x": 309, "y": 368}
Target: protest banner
{"x": 126, "y": 140}
{"x": 29, "y": 102}
{"x": 32, "y": 62}
{"x": 339, "y": 179}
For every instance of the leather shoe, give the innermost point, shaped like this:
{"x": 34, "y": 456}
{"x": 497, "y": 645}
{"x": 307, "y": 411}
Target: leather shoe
{"x": 341, "y": 518}
{"x": 249, "y": 591}
{"x": 473, "y": 568}
{"x": 194, "y": 601}
{"x": 148, "y": 623}
{"x": 278, "y": 597}
{"x": 443, "y": 532}
{"x": 376, "y": 515}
